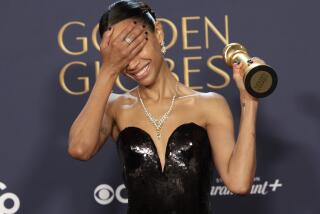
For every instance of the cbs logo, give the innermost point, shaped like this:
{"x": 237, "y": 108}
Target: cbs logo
{"x": 8, "y": 196}
{"x": 105, "y": 194}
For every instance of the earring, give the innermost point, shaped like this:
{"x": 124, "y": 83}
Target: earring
{"x": 163, "y": 47}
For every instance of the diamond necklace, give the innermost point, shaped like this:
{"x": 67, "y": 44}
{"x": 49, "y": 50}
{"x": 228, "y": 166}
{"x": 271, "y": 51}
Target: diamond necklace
{"x": 158, "y": 123}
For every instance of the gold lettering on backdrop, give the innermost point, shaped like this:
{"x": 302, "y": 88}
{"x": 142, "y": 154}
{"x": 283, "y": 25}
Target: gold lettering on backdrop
{"x": 94, "y": 37}
{"x": 187, "y": 70}
{"x": 83, "y": 39}
{"x": 85, "y": 79}
{"x": 186, "y": 32}
{"x": 120, "y": 85}
{"x": 174, "y": 32}
{"x": 97, "y": 68}
{"x": 170, "y": 63}
{"x": 189, "y": 29}
{"x": 218, "y": 71}
{"x": 208, "y": 24}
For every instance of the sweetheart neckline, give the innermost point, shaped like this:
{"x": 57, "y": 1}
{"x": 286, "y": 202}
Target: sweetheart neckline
{"x": 162, "y": 170}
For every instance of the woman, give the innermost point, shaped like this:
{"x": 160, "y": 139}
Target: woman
{"x": 167, "y": 162}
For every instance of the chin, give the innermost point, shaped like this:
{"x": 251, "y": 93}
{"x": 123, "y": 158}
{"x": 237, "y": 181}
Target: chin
{"x": 150, "y": 80}
{"x": 145, "y": 82}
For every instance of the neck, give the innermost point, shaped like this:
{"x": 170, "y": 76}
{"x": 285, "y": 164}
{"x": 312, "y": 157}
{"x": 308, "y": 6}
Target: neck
{"x": 162, "y": 88}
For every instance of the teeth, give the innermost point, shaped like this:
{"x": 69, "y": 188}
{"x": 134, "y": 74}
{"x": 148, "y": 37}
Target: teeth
{"x": 143, "y": 71}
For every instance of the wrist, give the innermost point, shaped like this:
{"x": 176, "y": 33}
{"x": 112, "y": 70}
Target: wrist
{"x": 248, "y": 104}
{"x": 107, "y": 73}
{"x": 107, "y": 68}
{"x": 105, "y": 81}
{"x": 247, "y": 98}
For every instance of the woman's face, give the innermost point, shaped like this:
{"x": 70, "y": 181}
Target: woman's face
{"x": 150, "y": 58}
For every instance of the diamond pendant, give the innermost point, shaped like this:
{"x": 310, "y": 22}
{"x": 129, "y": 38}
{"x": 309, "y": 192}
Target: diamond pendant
{"x": 158, "y": 134}
{"x": 158, "y": 123}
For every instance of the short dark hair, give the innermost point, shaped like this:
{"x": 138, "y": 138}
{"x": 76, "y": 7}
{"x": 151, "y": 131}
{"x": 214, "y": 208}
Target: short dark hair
{"x": 124, "y": 9}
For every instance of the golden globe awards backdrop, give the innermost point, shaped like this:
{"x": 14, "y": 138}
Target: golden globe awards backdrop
{"x": 49, "y": 63}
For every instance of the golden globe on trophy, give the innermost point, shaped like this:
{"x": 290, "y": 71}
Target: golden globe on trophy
{"x": 260, "y": 80}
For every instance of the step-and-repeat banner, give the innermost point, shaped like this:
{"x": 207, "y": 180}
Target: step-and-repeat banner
{"x": 49, "y": 61}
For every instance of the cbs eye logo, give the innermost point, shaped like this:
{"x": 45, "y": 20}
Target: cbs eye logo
{"x": 105, "y": 194}
{"x": 8, "y": 196}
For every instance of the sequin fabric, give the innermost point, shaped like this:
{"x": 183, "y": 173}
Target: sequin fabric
{"x": 183, "y": 186}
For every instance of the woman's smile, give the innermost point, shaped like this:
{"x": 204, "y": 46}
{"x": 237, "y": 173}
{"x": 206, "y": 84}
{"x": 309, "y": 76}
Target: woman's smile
{"x": 143, "y": 73}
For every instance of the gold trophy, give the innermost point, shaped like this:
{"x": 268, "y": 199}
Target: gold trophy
{"x": 260, "y": 80}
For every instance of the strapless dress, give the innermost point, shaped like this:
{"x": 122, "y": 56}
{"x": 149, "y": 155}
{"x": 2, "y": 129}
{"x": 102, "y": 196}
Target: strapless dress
{"x": 183, "y": 187}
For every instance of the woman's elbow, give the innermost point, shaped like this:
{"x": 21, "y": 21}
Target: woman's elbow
{"x": 78, "y": 152}
{"x": 240, "y": 189}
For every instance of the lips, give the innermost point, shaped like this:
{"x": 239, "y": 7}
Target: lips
{"x": 141, "y": 74}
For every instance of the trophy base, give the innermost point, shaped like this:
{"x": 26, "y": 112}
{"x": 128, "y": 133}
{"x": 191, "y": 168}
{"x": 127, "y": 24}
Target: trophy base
{"x": 260, "y": 81}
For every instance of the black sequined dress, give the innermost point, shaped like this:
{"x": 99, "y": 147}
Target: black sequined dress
{"x": 183, "y": 187}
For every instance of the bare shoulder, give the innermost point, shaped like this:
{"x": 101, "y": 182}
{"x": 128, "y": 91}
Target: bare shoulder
{"x": 202, "y": 97}
{"x": 113, "y": 98}
{"x": 112, "y": 103}
{"x": 211, "y": 97}
{"x": 215, "y": 107}
{"x": 117, "y": 100}
{"x": 211, "y": 104}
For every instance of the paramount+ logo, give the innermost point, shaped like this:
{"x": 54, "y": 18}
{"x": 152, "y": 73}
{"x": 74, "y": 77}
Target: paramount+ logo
{"x": 259, "y": 187}
{"x": 5, "y": 198}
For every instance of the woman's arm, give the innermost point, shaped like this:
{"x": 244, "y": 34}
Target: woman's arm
{"x": 94, "y": 123}
{"x": 235, "y": 161}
